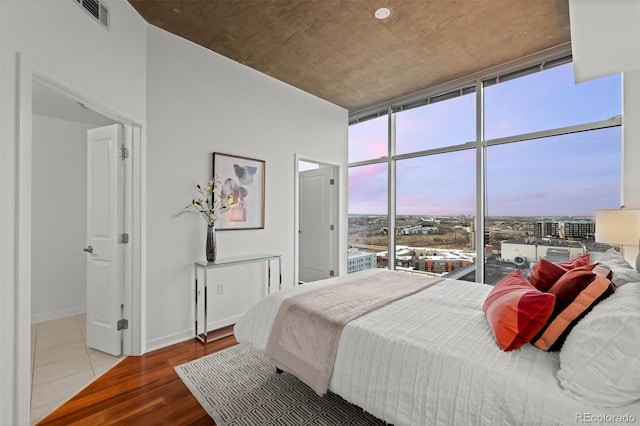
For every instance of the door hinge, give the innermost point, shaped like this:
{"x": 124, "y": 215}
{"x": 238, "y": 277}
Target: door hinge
{"x": 123, "y": 238}
{"x": 124, "y": 152}
{"x": 331, "y": 273}
{"x": 123, "y": 324}
{"x": 331, "y": 227}
{"x": 332, "y": 181}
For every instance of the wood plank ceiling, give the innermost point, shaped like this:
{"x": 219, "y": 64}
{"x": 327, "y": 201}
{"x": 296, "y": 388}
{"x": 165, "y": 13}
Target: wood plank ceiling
{"x": 338, "y": 51}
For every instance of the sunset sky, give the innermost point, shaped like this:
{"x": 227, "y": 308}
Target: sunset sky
{"x": 569, "y": 175}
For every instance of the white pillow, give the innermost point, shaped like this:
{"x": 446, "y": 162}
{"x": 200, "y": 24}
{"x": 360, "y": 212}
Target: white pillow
{"x": 599, "y": 362}
{"x": 623, "y": 272}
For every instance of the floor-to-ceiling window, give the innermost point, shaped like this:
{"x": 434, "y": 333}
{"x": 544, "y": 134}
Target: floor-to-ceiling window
{"x": 442, "y": 122}
{"x": 368, "y": 195}
{"x": 435, "y": 211}
{"x": 507, "y": 173}
{"x": 435, "y": 183}
{"x": 553, "y": 157}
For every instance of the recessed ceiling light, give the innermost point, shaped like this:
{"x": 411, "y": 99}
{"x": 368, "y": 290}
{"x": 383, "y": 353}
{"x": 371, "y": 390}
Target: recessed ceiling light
{"x": 382, "y": 13}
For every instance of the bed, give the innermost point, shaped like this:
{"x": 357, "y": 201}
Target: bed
{"x": 430, "y": 358}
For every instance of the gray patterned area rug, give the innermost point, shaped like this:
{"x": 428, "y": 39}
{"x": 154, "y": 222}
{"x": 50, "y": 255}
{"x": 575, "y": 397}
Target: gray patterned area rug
{"x": 239, "y": 386}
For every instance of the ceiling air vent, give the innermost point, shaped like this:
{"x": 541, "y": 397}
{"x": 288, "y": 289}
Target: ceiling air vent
{"x": 97, "y": 9}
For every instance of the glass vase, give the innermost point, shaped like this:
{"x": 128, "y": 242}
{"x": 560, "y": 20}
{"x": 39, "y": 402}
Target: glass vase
{"x": 211, "y": 249}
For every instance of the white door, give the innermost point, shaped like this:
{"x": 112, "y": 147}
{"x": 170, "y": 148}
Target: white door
{"x": 316, "y": 231}
{"x": 104, "y": 284}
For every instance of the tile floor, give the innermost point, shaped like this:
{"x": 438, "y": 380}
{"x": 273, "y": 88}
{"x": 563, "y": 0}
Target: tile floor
{"x": 61, "y": 363}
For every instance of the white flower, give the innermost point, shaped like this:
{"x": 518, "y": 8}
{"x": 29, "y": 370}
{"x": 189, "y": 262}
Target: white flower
{"x": 210, "y": 204}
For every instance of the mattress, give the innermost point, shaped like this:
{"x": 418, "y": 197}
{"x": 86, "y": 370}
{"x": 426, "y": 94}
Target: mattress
{"x": 430, "y": 359}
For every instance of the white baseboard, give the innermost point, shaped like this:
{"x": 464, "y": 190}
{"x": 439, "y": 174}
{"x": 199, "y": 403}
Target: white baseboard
{"x": 169, "y": 340}
{"x": 62, "y": 313}
{"x": 182, "y": 336}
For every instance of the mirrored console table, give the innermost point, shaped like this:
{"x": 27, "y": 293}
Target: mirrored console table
{"x": 225, "y": 262}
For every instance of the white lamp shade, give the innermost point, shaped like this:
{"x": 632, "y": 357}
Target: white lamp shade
{"x": 618, "y": 227}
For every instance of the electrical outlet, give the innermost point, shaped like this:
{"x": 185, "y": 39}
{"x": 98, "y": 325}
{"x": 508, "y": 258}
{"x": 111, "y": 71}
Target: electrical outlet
{"x": 220, "y": 289}
{"x": 198, "y": 293}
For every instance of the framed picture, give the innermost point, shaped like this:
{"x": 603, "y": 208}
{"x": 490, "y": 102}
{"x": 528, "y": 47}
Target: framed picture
{"x": 243, "y": 179}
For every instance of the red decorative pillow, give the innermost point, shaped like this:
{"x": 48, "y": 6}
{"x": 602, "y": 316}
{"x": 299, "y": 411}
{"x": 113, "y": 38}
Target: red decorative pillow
{"x": 576, "y": 262}
{"x": 516, "y": 310}
{"x": 544, "y": 274}
{"x": 576, "y": 292}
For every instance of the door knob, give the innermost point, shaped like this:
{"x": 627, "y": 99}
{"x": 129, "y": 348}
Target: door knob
{"x": 88, "y": 249}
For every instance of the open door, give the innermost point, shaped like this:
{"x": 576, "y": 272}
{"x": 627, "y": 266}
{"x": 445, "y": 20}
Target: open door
{"x": 317, "y": 230}
{"x": 104, "y": 278}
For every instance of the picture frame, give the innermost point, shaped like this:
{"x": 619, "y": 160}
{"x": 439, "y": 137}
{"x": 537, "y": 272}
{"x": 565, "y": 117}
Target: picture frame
{"x": 243, "y": 179}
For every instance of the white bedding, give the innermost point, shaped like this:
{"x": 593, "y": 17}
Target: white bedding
{"x": 430, "y": 359}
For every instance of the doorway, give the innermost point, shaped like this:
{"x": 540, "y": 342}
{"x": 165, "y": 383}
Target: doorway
{"x": 61, "y": 358}
{"x": 59, "y": 200}
{"x": 316, "y": 220}
{"x": 30, "y": 81}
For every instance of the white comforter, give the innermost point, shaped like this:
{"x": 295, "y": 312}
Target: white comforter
{"x": 430, "y": 359}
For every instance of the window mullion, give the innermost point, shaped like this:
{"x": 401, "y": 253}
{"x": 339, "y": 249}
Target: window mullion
{"x": 596, "y": 125}
{"x": 391, "y": 188}
{"x": 480, "y": 182}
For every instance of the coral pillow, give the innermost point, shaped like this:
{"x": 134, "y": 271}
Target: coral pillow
{"x": 516, "y": 310}
{"x": 577, "y": 292}
{"x": 544, "y": 274}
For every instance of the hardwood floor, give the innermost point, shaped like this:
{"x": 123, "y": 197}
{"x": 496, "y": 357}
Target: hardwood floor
{"x": 142, "y": 390}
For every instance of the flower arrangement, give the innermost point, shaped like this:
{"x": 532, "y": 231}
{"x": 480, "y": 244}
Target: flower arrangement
{"x": 209, "y": 204}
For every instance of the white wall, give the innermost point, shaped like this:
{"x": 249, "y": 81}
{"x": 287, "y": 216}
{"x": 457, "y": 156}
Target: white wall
{"x": 605, "y": 37}
{"x": 59, "y": 40}
{"x": 631, "y": 135}
{"x": 59, "y": 219}
{"x": 631, "y": 156}
{"x": 198, "y": 103}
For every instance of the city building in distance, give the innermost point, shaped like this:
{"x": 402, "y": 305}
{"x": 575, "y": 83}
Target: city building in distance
{"x": 444, "y": 245}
